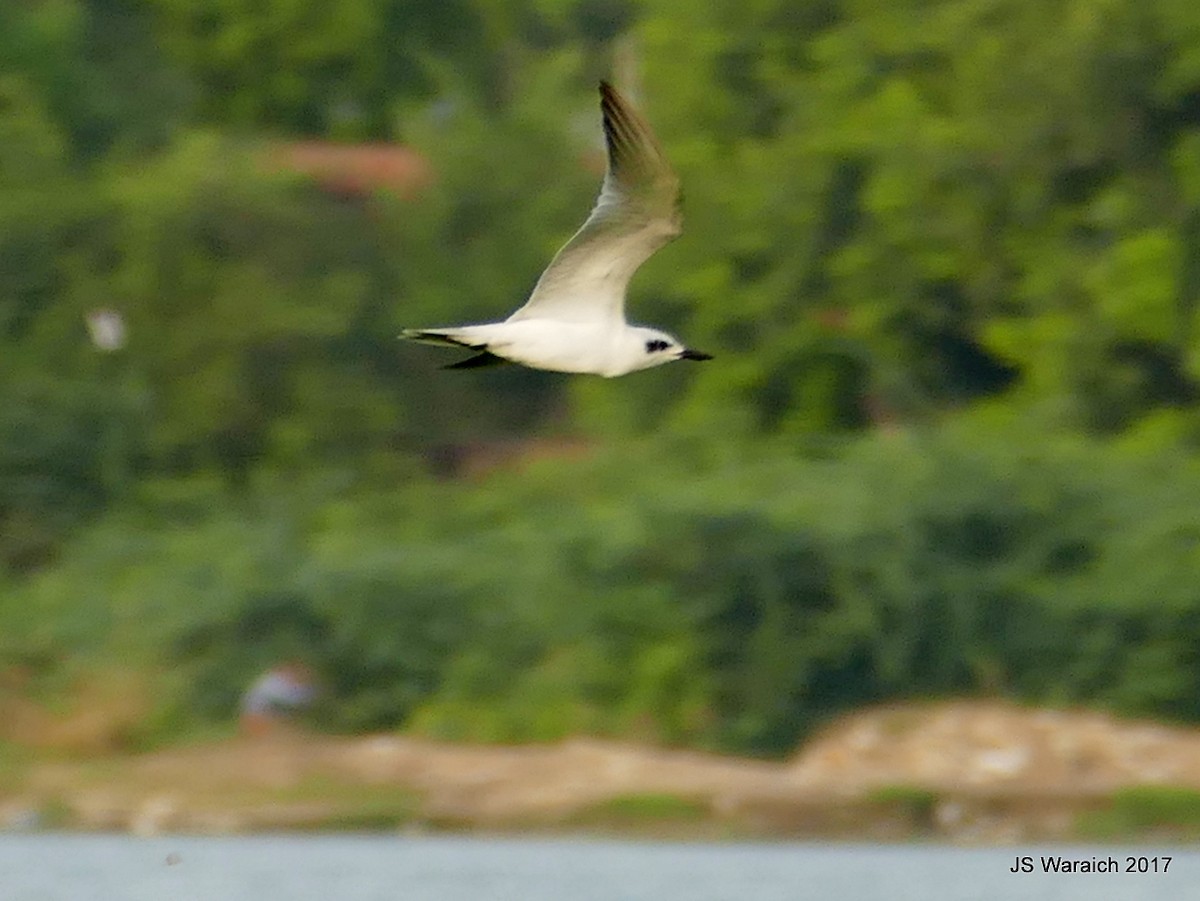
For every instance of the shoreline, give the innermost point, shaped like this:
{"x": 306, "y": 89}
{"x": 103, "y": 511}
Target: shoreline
{"x": 959, "y": 772}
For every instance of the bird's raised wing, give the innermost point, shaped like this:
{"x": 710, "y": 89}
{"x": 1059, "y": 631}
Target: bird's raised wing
{"x": 638, "y": 211}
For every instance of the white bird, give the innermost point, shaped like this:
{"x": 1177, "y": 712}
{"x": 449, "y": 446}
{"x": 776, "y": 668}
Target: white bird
{"x": 574, "y": 321}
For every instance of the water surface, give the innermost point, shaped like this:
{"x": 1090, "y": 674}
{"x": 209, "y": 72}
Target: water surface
{"x": 69, "y": 867}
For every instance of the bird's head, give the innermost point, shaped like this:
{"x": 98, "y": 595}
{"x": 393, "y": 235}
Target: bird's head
{"x": 656, "y": 348}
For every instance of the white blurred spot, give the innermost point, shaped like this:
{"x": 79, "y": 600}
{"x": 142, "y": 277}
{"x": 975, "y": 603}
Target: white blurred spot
{"x": 107, "y": 329}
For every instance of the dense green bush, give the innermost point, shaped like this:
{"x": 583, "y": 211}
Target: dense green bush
{"x": 732, "y": 604}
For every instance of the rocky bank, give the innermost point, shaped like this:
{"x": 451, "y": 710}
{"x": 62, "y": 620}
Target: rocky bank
{"x": 966, "y": 771}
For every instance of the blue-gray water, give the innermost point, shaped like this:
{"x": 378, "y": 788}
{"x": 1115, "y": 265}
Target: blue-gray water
{"x": 50, "y": 867}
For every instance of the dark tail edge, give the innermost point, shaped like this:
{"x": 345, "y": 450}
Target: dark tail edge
{"x": 479, "y": 361}
{"x": 430, "y": 337}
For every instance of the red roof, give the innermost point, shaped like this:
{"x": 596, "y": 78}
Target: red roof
{"x": 355, "y": 169}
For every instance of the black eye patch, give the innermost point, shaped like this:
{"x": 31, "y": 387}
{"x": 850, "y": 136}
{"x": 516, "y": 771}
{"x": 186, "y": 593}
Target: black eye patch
{"x": 656, "y": 344}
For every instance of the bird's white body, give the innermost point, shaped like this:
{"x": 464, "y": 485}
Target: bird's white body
{"x": 574, "y": 321}
{"x": 598, "y": 348}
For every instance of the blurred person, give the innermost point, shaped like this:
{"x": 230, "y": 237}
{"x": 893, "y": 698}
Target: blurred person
{"x": 275, "y": 695}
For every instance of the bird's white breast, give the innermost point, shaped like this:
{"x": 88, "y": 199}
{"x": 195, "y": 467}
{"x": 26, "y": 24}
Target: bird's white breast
{"x": 600, "y": 348}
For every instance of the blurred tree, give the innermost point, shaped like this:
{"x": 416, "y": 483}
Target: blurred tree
{"x": 304, "y": 67}
{"x": 96, "y": 68}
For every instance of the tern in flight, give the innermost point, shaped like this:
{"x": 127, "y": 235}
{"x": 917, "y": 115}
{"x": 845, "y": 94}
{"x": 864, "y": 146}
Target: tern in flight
{"x": 574, "y": 321}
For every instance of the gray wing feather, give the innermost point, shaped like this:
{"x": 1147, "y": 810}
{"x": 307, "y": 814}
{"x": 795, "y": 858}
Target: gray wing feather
{"x": 638, "y": 211}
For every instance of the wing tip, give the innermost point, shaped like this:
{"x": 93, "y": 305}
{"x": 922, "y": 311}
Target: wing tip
{"x": 629, "y": 136}
{"x": 613, "y": 102}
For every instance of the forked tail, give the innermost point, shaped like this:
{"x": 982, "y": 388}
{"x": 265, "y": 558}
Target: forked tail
{"x": 446, "y": 338}
{"x": 440, "y": 337}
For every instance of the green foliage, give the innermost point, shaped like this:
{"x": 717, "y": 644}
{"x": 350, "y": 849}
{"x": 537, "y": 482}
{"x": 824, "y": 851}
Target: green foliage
{"x": 635, "y": 592}
{"x": 95, "y": 67}
{"x": 917, "y": 805}
{"x": 1145, "y": 809}
{"x": 626, "y": 810}
{"x": 306, "y": 67}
